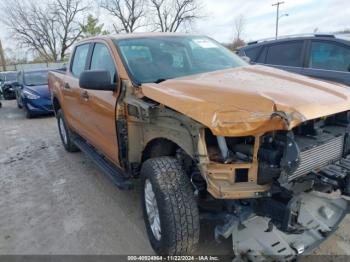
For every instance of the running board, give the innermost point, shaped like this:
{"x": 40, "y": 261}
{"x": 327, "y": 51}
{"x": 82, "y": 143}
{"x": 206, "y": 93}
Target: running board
{"x": 115, "y": 173}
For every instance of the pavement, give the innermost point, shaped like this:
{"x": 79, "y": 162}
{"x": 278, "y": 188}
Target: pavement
{"x": 55, "y": 202}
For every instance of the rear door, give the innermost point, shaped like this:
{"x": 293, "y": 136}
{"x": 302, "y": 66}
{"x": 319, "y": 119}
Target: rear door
{"x": 328, "y": 60}
{"x": 99, "y": 106}
{"x": 72, "y": 104}
{"x": 252, "y": 53}
{"x": 286, "y": 55}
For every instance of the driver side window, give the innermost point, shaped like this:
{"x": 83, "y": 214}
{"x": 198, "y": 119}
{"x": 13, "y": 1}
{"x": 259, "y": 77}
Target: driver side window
{"x": 329, "y": 56}
{"x": 102, "y": 59}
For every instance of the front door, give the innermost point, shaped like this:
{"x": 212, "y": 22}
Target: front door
{"x": 73, "y": 110}
{"x": 99, "y": 107}
{"x": 329, "y": 60}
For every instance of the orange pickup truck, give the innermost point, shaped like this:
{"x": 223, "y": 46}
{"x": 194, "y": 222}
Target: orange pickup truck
{"x": 262, "y": 153}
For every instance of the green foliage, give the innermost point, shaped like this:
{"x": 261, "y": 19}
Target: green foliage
{"x": 92, "y": 28}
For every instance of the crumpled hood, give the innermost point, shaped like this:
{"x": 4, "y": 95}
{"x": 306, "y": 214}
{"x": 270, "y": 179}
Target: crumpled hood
{"x": 250, "y": 100}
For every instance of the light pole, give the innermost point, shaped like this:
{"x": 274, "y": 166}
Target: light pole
{"x": 278, "y": 23}
{"x": 277, "y": 15}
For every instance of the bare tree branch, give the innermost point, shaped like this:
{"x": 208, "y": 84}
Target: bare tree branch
{"x": 129, "y": 13}
{"x": 239, "y": 27}
{"x": 48, "y": 29}
{"x": 170, "y": 15}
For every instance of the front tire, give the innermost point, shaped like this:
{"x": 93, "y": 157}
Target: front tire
{"x": 19, "y": 105}
{"x": 6, "y": 96}
{"x": 65, "y": 133}
{"x": 28, "y": 114}
{"x": 169, "y": 207}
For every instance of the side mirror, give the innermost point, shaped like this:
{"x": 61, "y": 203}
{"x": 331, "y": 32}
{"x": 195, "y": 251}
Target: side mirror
{"x": 96, "y": 80}
{"x": 349, "y": 68}
{"x": 246, "y": 58}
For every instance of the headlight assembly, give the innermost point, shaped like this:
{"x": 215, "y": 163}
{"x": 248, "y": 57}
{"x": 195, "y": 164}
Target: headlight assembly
{"x": 30, "y": 95}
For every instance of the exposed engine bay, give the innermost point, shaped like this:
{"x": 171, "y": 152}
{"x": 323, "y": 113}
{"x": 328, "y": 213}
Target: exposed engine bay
{"x": 308, "y": 170}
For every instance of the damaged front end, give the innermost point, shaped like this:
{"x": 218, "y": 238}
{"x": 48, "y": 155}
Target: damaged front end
{"x": 286, "y": 190}
{"x": 270, "y": 154}
{"x": 286, "y": 229}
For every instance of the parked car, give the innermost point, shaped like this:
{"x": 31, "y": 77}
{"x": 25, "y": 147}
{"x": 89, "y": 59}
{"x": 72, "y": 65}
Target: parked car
{"x": 2, "y": 80}
{"x": 320, "y": 56}
{"x": 258, "y": 151}
{"x": 9, "y": 78}
{"x": 32, "y": 92}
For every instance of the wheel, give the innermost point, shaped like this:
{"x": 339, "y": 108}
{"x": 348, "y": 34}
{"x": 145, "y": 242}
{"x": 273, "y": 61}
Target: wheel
{"x": 6, "y": 96}
{"x": 65, "y": 133}
{"x": 27, "y": 113}
{"x": 18, "y": 101}
{"x": 169, "y": 208}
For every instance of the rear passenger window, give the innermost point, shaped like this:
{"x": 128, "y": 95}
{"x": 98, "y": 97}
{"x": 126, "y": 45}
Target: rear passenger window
{"x": 286, "y": 54}
{"x": 102, "y": 60}
{"x": 79, "y": 60}
{"x": 252, "y": 53}
{"x": 262, "y": 57}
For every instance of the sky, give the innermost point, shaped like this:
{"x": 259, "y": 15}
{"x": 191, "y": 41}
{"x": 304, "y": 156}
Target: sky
{"x": 303, "y": 17}
{"x": 260, "y": 17}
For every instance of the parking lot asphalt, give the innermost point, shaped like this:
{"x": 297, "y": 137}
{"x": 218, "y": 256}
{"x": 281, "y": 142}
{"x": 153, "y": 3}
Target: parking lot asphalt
{"x": 55, "y": 202}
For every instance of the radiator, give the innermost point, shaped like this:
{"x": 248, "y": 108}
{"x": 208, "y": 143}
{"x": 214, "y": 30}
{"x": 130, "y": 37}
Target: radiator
{"x": 319, "y": 156}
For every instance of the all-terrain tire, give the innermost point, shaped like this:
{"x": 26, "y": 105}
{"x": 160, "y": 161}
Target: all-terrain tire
{"x": 178, "y": 211}
{"x": 65, "y": 133}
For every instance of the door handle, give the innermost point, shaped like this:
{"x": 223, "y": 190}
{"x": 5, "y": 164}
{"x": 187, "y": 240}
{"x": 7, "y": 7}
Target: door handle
{"x": 66, "y": 86}
{"x": 85, "y": 95}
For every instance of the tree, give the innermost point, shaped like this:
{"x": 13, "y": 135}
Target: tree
{"x": 170, "y": 15}
{"x": 91, "y": 28}
{"x": 68, "y": 28}
{"x": 239, "y": 26}
{"x": 129, "y": 13}
{"x": 13, "y": 57}
{"x": 49, "y": 29}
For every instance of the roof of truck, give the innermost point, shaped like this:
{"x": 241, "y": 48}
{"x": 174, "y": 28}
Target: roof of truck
{"x": 138, "y": 35}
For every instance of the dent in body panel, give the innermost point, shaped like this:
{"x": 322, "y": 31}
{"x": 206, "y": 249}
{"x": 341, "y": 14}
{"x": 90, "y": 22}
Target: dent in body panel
{"x": 148, "y": 121}
{"x": 244, "y": 101}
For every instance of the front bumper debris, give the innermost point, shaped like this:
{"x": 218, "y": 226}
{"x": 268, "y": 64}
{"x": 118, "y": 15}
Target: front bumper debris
{"x": 256, "y": 237}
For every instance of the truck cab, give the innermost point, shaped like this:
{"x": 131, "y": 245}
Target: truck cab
{"x": 260, "y": 152}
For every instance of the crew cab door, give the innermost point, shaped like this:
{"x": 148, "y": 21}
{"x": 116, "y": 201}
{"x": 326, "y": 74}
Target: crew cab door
{"x": 98, "y": 107}
{"x": 72, "y": 104}
{"x": 328, "y": 60}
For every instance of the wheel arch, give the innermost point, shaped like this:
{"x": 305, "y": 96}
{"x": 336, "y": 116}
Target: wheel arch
{"x": 56, "y": 104}
{"x": 161, "y": 146}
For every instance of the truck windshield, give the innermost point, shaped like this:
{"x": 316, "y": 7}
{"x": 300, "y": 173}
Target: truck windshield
{"x": 156, "y": 59}
{"x": 35, "y": 78}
